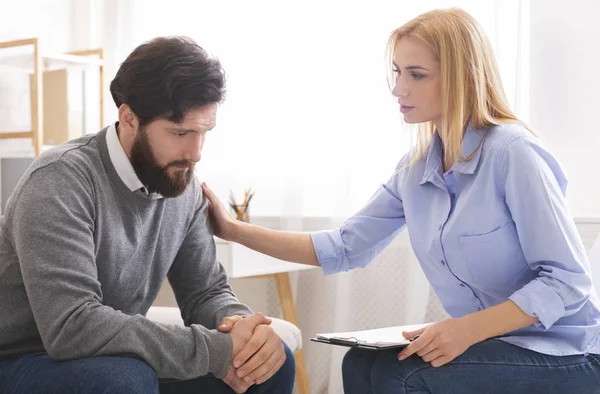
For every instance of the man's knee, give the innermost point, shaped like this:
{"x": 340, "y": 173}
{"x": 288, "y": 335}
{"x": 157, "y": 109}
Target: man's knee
{"x": 290, "y": 361}
{"x": 288, "y": 369}
{"x": 283, "y": 380}
{"x": 120, "y": 375}
{"x": 38, "y": 373}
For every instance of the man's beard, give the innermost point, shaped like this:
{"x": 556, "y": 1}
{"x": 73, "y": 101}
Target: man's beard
{"x": 153, "y": 176}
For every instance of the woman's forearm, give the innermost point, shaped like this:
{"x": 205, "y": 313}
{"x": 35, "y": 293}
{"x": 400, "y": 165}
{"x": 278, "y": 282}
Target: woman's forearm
{"x": 283, "y": 245}
{"x": 498, "y": 320}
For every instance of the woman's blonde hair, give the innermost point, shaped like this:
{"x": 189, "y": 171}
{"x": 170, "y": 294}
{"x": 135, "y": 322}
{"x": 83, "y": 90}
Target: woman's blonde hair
{"x": 471, "y": 88}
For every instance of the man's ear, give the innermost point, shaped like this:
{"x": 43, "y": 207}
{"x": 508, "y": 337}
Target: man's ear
{"x": 128, "y": 122}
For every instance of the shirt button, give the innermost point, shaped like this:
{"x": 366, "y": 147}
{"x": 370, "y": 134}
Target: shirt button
{"x": 462, "y": 285}
{"x": 443, "y": 262}
{"x": 440, "y": 227}
{"x": 453, "y": 195}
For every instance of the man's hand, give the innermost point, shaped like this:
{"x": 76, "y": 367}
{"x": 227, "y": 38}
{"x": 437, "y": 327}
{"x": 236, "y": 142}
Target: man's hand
{"x": 228, "y": 322}
{"x": 262, "y": 356}
{"x": 440, "y": 342}
{"x": 243, "y": 329}
{"x": 262, "y": 353}
{"x": 233, "y": 381}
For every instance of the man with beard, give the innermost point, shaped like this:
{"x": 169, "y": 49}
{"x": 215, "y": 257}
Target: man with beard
{"x": 94, "y": 227}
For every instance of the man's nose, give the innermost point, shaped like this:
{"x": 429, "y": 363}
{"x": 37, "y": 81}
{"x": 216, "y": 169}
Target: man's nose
{"x": 193, "y": 150}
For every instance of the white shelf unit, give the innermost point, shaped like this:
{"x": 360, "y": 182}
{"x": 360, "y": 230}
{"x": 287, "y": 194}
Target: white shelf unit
{"x": 36, "y": 63}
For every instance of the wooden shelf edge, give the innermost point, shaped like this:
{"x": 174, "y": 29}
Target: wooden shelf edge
{"x": 16, "y": 134}
{"x": 18, "y": 43}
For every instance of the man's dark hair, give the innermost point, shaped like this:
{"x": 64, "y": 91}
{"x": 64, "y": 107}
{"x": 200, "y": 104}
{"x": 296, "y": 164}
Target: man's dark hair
{"x": 166, "y": 77}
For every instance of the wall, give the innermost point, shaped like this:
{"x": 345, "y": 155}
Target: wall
{"x": 564, "y": 88}
{"x": 48, "y": 19}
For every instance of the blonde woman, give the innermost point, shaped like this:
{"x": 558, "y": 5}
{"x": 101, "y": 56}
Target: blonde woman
{"x": 484, "y": 203}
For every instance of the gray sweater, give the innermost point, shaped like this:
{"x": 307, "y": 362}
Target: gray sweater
{"x": 82, "y": 258}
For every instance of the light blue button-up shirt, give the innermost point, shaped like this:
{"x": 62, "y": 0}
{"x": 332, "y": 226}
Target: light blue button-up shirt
{"x": 494, "y": 228}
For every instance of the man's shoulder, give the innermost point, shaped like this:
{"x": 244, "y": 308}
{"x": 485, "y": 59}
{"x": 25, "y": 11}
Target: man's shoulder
{"x": 80, "y": 154}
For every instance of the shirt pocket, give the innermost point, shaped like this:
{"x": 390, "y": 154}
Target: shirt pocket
{"x": 494, "y": 259}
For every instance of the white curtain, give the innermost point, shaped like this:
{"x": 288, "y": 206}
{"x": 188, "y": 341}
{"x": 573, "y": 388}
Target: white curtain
{"x": 309, "y": 123}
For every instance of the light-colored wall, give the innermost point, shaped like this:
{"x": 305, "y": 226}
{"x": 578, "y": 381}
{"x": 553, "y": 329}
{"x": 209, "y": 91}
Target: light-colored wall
{"x": 48, "y": 19}
{"x": 564, "y": 86}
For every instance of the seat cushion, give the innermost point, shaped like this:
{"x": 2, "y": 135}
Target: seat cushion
{"x": 287, "y": 331}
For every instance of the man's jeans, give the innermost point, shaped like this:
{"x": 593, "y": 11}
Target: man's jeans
{"x": 38, "y": 373}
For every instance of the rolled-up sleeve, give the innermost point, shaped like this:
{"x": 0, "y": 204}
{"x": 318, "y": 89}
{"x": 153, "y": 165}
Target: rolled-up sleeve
{"x": 535, "y": 187}
{"x": 363, "y": 236}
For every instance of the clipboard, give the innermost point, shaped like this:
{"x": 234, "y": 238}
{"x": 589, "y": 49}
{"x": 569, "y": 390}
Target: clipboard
{"x": 376, "y": 339}
{"x": 360, "y": 344}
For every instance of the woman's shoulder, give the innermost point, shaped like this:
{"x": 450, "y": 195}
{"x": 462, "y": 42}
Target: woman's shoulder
{"x": 500, "y": 137}
{"x": 514, "y": 144}
{"x": 502, "y": 140}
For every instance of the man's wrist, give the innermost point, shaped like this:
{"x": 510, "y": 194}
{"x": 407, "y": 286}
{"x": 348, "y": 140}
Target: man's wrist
{"x": 220, "y": 348}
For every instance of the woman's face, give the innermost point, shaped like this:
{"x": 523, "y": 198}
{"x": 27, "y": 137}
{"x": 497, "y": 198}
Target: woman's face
{"x": 417, "y": 82}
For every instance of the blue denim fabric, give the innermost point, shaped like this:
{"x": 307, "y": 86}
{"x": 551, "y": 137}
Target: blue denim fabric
{"x": 490, "y": 367}
{"x": 38, "y": 373}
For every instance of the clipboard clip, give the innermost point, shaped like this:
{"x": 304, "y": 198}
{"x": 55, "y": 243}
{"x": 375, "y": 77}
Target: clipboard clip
{"x": 353, "y": 342}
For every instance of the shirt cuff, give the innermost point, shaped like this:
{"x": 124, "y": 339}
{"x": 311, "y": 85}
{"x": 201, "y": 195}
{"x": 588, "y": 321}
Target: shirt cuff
{"x": 220, "y": 347}
{"x": 231, "y": 310}
{"x": 538, "y": 300}
{"x": 330, "y": 251}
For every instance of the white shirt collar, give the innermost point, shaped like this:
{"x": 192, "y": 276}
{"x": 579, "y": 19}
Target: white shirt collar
{"x": 122, "y": 164}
